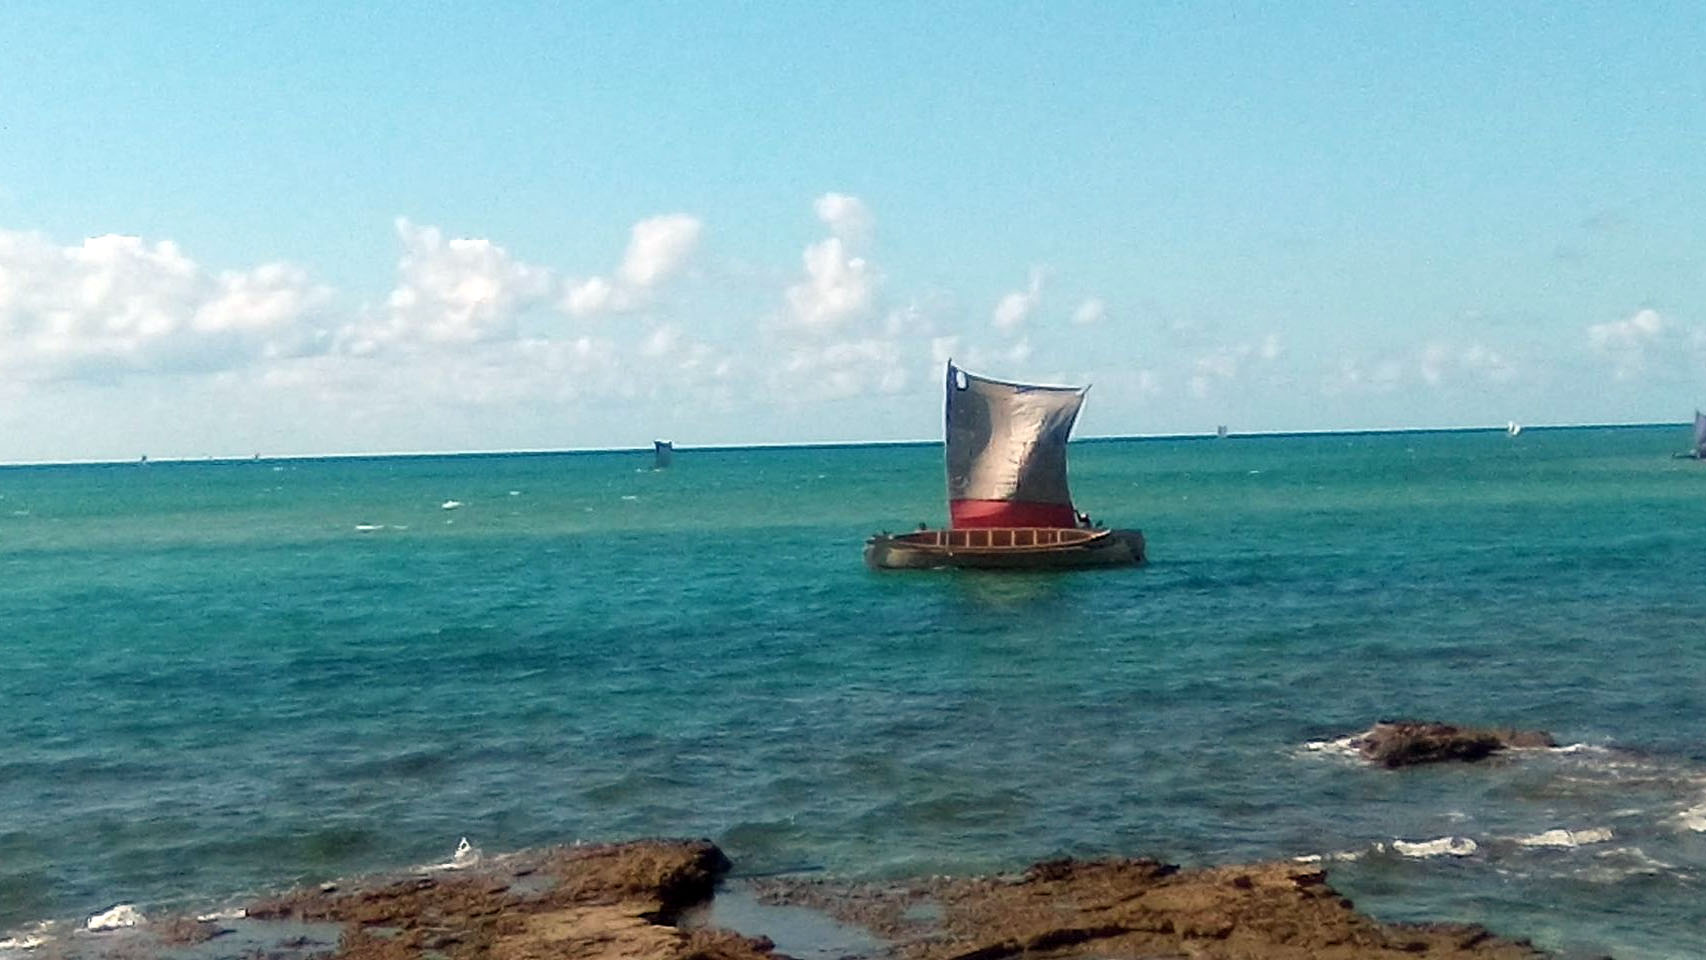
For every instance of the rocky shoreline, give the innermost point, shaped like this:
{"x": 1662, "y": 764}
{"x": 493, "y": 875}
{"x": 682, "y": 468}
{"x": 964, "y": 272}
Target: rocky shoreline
{"x": 645, "y": 900}
{"x": 658, "y": 900}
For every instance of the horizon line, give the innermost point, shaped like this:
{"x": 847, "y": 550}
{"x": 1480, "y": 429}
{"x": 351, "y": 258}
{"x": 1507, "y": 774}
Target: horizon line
{"x": 818, "y": 444}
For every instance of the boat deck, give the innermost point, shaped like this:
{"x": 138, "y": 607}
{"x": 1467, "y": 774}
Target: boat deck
{"x": 974, "y": 538}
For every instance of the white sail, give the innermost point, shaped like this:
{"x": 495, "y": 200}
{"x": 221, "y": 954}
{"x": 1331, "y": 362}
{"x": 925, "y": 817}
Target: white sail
{"x": 1699, "y": 435}
{"x": 1006, "y": 451}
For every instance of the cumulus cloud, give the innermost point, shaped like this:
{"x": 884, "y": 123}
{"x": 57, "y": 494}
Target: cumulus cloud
{"x": 839, "y": 289}
{"x": 456, "y": 290}
{"x": 1015, "y": 308}
{"x": 1628, "y": 342}
{"x": 1089, "y": 312}
{"x": 1488, "y": 364}
{"x": 592, "y": 296}
{"x": 1354, "y": 376}
{"x": 115, "y": 305}
{"x": 848, "y": 368}
{"x": 847, "y": 217}
{"x": 1225, "y": 364}
{"x": 658, "y": 248}
{"x": 1436, "y": 364}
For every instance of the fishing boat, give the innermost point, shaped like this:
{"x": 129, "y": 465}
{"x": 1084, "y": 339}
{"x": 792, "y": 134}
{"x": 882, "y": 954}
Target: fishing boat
{"x": 1009, "y": 506}
{"x": 1699, "y": 451}
{"x": 663, "y": 453}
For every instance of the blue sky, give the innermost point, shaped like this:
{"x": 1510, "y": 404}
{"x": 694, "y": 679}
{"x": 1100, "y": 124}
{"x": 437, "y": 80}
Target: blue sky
{"x": 310, "y": 229}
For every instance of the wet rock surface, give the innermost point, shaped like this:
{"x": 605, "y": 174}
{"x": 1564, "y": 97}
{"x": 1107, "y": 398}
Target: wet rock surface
{"x": 636, "y": 901}
{"x": 1137, "y": 909}
{"x": 616, "y": 901}
{"x": 1403, "y": 744}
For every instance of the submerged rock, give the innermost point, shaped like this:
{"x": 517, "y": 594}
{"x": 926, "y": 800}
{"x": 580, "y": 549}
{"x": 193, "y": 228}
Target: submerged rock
{"x": 1398, "y": 744}
{"x": 1137, "y": 908}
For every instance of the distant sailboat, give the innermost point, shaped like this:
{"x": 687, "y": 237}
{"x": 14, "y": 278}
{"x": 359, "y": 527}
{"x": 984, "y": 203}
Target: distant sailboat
{"x": 1220, "y": 432}
{"x": 1699, "y": 451}
{"x": 663, "y": 453}
{"x": 1008, "y": 501}
{"x": 1513, "y": 428}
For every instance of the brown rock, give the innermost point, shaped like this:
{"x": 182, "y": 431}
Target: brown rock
{"x": 610, "y": 901}
{"x": 186, "y": 931}
{"x": 1403, "y": 744}
{"x": 1138, "y": 908}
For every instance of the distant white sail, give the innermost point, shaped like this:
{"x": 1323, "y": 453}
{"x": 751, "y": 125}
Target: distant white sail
{"x": 663, "y": 453}
{"x": 1513, "y": 428}
{"x": 1699, "y": 435}
{"x": 1006, "y": 452}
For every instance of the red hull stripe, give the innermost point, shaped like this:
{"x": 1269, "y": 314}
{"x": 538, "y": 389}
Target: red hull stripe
{"x": 1010, "y": 513}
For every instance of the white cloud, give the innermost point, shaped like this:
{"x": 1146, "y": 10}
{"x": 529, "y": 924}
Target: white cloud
{"x": 661, "y": 342}
{"x": 451, "y": 291}
{"x": 590, "y": 297}
{"x": 1228, "y": 363}
{"x": 1091, "y": 311}
{"x": 847, "y": 368}
{"x": 1432, "y": 366}
{"x": 1353, "y": 376}
{"x": 1015, "y": 308}
{"x": 847, "y": 217}
{"x": 942, "y": 349}
{"x": 116, "y": 305}
{"x": 658, "y": 248}
{"x": 1488, "y": 364}
{"x": 1627, "y": 342}
{"x": 838, "y": 289}
{"x": 838, "y": 294}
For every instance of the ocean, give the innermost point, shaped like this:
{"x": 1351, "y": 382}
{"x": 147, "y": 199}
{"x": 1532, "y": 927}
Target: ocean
{"x": 221, "y": 678}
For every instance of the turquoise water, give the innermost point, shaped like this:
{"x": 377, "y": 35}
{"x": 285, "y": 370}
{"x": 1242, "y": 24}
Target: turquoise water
{"x": 219, "y": 678}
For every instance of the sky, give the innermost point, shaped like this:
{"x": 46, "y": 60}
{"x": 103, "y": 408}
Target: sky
{"x": 320, "y": 228}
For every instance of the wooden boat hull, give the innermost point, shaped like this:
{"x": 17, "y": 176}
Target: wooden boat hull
{"x": 1005, "y": 548}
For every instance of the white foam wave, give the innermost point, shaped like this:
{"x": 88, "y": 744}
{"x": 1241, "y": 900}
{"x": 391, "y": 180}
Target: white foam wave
{"x": 1442, "y": 846}
{"x": 450, "y": 505}
{"x": 234, "y": 914}
{"x": 1693, "y": 818}
{"x": 1342, "y": 747}
{"x": 466, "y": 855}
{"x": 1341, "y": 856}
{"x": 30, "y": 937}
{"x": 1565, "y": 838}
{"x": 1637, "y": 860}
{"x": 369, "y": 527}
{"x": 119, "y": 917}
